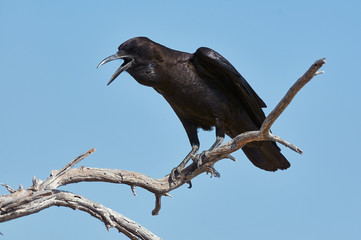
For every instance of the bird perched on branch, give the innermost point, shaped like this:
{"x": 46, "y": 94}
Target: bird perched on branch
{"x": 205, "y": 91}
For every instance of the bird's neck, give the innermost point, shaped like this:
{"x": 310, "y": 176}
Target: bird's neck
{"x": 152, "y": 72}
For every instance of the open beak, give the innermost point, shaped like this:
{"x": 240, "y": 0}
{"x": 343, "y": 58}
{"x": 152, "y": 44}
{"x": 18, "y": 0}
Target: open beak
{"x": 128, "y": 62}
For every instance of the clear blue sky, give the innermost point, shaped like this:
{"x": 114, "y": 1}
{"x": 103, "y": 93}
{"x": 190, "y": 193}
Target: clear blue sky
{"x": 55, "y": 105}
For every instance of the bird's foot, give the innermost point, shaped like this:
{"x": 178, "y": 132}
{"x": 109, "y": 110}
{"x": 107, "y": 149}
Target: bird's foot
{"x": 198, "y": 159}
{"x": 175, "y": 172}
{"x": 213, "y": 172}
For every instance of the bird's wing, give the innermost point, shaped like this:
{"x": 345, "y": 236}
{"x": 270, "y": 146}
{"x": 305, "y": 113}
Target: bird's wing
{"x": 216, "y": 68}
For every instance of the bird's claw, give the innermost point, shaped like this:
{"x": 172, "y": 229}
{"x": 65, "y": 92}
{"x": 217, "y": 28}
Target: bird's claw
{"x": 213, "y": 172}
{"x": 198, "y": 159}
{"x": 175, "y": 171}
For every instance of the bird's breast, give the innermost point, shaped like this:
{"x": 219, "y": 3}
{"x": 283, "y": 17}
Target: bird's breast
{"x": 192, "y": 98}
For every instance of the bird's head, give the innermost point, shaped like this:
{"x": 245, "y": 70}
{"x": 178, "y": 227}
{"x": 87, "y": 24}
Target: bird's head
{"x": 135, "y": 52}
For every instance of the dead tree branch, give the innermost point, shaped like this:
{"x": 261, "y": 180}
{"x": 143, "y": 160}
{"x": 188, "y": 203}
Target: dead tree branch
{"x": 44, "y": 194}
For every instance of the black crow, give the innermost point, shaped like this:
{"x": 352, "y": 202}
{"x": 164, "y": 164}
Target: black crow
{"x": 205, "y": 91}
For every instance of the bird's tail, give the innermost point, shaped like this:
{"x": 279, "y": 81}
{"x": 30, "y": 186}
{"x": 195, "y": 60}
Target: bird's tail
{"x": 266, "y": 155}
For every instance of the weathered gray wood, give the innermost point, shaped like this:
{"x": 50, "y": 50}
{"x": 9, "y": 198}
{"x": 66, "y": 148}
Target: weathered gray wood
{"x": 28, "y": 202}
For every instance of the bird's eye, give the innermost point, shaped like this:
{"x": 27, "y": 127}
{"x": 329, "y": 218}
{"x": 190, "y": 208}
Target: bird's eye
{"x": 134, "y": 50}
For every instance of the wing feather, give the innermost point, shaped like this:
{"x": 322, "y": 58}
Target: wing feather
{"x": 217, "y": 68}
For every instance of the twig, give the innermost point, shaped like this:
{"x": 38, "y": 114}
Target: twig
{"x": 11, "y": 190}
{"x": 284, "y": 143}
{"x": 47, "y": 183}
{"x": 133, "y": 190}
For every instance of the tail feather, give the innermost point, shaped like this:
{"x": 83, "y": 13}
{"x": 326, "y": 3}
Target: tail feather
{"x": 266, "y": 155}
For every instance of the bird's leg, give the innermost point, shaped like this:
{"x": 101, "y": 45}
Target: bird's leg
{"x": 180, "y": 167}
{"x": 191, "y": 130}
{"x": 217, "y": 143}
{"x": 199, "y": 158}
{"x": 219, "y": 139}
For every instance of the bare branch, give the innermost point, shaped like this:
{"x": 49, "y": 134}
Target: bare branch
{"x": 285, "y": 143}
{"x": 29, "y": 202}
{"x": 300, "y": 83}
